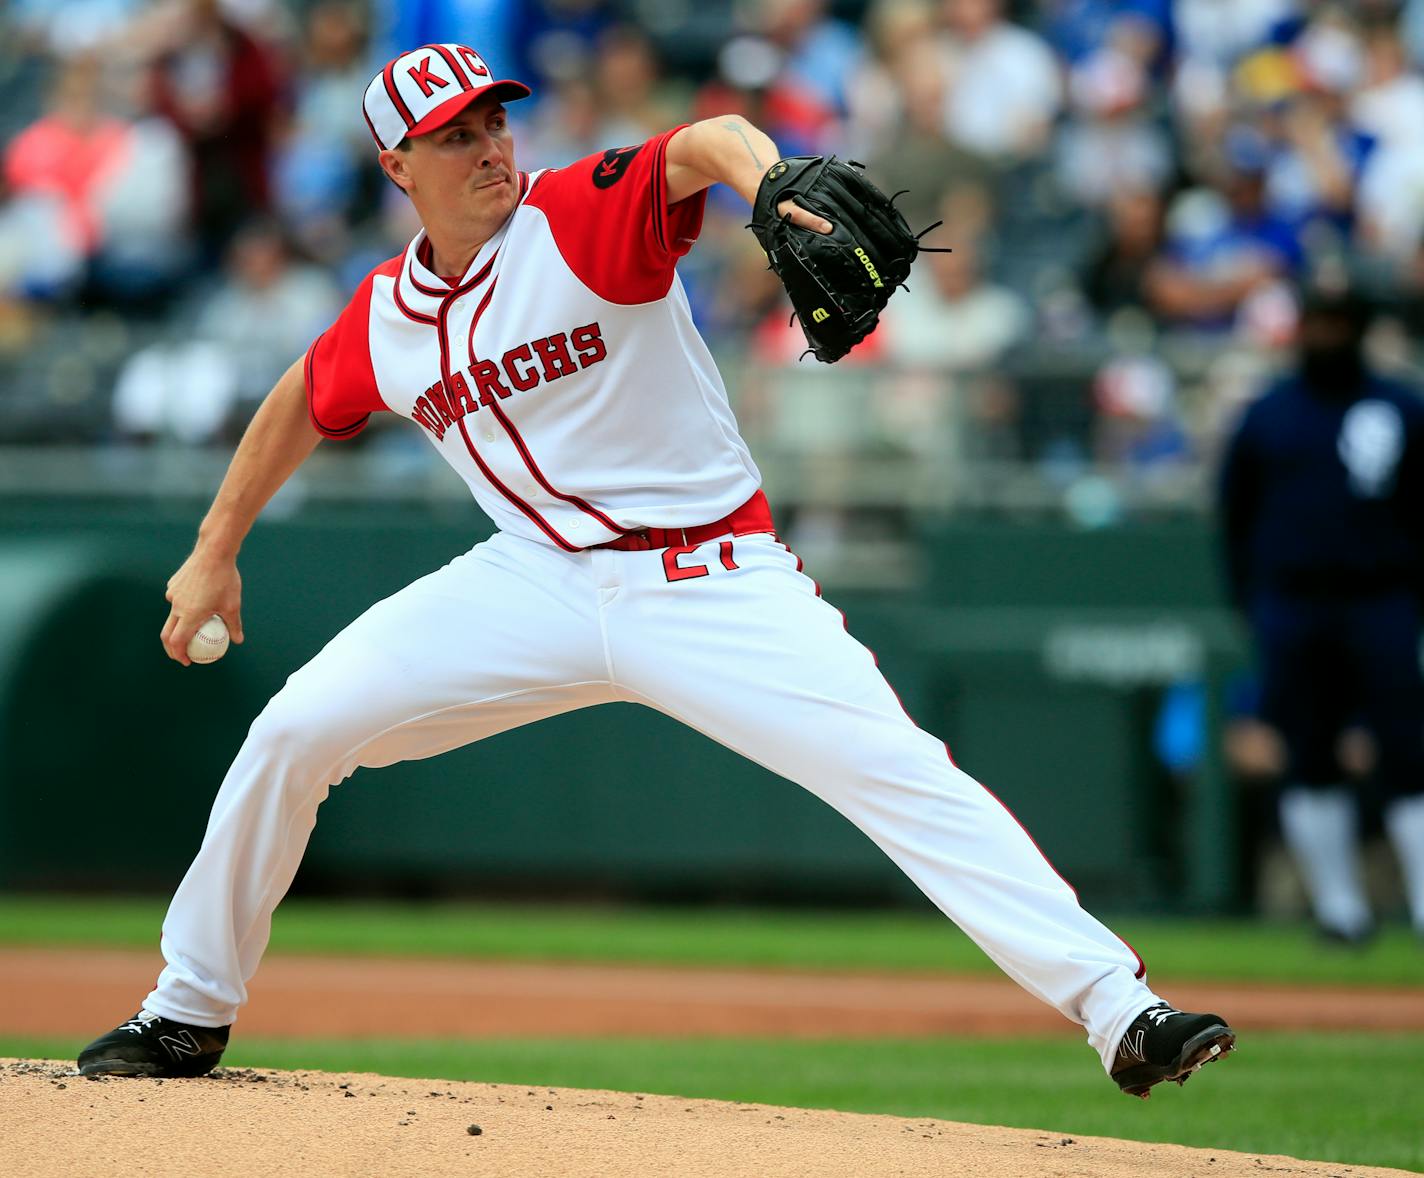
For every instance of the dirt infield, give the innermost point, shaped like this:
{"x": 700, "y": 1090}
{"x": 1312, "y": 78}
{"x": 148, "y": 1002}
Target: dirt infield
{"x": 79, "y": 992}
{"x": 243, "y": 1123}
{"x": 247, "y": 1123}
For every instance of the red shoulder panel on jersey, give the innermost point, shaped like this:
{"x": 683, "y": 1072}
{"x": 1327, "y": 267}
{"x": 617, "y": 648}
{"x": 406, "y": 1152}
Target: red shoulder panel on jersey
{"x": 340, "y": 380}
{"x": 610, "y": 219}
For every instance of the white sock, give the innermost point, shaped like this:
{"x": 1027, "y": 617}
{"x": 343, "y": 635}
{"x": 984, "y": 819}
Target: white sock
{"x": 1321, "y": 829}
{"x": 1404, "y": 820}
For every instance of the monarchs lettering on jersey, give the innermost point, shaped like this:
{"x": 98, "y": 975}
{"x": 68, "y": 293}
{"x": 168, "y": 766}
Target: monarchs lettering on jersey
{"x": 539, "y": 361}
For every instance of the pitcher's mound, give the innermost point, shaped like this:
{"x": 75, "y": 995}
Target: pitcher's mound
{"x": 248, "y": 1123}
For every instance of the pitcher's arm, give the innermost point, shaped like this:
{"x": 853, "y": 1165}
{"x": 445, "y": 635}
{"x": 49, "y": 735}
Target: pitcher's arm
{"x": 729, "y": 150}
{"x": 276, "y": 442}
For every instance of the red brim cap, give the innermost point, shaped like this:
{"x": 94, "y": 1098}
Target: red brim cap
{"x": 505, "y": 90}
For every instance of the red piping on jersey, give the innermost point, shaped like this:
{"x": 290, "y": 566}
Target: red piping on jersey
{"x": 519, "y": 444}
{"x": 659, "y": 210}
{"x": 415, "y": 316}
{"x": 432, "y": 291}
{"x": 460, "y": 75}
{"x": 475, "y": 320}
{"x": 325, "y": 431}
{"x": 650, "y": 272}
{"x": 538, "y": 519}
{"x": 443, "y": 293}
{"x": 436, "y": 291}
{"x": 393, "y": 92}
{"x": 443, "y": 340}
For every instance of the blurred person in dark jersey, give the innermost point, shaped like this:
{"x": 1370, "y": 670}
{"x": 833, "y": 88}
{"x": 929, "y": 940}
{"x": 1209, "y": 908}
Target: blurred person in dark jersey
{"x": 1322, "y": 508}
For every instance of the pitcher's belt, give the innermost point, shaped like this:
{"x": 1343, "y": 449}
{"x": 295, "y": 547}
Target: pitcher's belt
{"x": 752, "y": 516}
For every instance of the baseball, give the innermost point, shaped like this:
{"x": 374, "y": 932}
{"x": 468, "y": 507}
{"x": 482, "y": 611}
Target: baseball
{"x": 210, "y": 642}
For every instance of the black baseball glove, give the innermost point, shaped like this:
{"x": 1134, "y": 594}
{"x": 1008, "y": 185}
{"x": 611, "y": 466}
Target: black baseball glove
{"x": 839, "y": 282}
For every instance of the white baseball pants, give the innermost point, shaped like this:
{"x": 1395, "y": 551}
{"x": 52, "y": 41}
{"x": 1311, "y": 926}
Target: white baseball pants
{"x": 730, "y": 638}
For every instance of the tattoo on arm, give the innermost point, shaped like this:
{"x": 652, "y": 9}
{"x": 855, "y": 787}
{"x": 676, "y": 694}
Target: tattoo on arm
{"x": 736, "y": 129}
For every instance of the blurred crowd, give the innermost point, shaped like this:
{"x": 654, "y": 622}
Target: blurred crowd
{"x": 1132, "y": 189}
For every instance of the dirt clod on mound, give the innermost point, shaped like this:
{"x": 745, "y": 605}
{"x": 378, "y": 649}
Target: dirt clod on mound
{"x": 241, "y": 1122}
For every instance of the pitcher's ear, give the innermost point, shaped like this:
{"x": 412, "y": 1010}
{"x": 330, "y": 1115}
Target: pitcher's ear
{"x": 395, "y": 164}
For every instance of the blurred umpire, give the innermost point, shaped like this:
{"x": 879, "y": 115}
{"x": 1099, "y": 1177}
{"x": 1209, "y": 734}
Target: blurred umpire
{"x": 1322, "y": 506}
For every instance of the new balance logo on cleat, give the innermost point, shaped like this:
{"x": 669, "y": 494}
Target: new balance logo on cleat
{"x": 181, "y": 1044}
{"x": 1163, "y": 1043}
{"x": 149, "y": 1045}
{"x": 1131, "y": 1047}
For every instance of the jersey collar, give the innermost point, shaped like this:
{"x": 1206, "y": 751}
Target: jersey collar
{"x": 422, "y": 289}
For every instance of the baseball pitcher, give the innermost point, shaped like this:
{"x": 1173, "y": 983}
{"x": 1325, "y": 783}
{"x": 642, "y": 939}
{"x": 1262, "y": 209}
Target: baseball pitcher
{"x": 535, "y": 331}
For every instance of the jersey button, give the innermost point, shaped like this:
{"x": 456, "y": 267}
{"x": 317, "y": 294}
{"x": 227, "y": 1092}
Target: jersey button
{"x": 489, "y": 435}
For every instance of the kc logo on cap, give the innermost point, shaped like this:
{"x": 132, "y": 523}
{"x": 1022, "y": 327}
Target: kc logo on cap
{"x": 426, "y": 88}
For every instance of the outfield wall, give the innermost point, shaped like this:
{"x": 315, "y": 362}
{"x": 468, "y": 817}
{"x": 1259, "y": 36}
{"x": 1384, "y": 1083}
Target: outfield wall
{"x": 1038, "y": 652}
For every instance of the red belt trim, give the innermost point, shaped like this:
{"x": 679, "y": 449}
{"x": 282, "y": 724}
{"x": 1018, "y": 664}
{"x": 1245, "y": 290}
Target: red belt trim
{"x": 752, "y": 516}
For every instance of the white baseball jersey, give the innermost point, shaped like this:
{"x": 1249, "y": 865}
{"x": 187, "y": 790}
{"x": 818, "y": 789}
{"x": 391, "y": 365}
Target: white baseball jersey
{"x": 561, "y": 375}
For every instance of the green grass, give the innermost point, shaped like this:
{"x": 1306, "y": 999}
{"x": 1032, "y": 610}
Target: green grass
{"x": 1349, "y": 1098}
{"x": 1215, "y": 950}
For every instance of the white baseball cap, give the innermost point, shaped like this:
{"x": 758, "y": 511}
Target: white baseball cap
{"x": 426, "y": 88}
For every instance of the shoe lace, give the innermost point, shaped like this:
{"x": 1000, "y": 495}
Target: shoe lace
{"x": 139, "y": 1023}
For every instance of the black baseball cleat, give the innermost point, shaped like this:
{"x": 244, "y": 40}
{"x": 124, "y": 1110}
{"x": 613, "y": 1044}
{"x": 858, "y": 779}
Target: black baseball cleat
{"x": 1343, "y": 938}
{"x": 148, "y": 1045}
{"x": 1163, "y": 1043}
